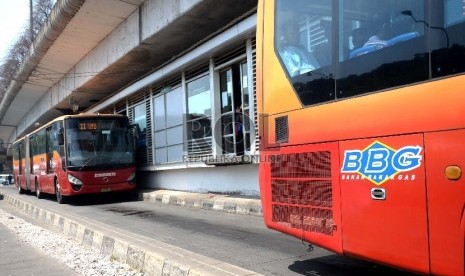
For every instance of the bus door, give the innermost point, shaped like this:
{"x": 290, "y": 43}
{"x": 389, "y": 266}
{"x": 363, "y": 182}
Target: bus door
{"x": 28, "y": 162}
{"x": 21, "y": 160}
{"x": 50, "y": 168}
{"x": 383, "y": 201}
{"x": 41, "y": 158}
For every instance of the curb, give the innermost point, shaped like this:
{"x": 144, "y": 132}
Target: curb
{"x": 142, "y": 253}
{"x": 215, "y": 202}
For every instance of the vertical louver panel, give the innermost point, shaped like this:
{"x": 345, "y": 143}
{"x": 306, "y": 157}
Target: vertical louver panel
{"x": 143, "y": 97}
{"x": 131, "y": 114}
{"x": 254, "y": 94}
{"x": 148, "y": 116}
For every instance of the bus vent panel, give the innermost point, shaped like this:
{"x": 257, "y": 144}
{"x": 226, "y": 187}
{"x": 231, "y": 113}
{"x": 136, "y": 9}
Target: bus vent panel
{"x": 281, "y": 129}
{"x": 301, "y": 188}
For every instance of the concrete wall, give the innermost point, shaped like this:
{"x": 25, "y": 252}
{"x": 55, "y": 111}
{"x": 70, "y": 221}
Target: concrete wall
{"x": 118, "y": 43}
{"x": 156, "y": 15}
{"x": 239, "y": 179}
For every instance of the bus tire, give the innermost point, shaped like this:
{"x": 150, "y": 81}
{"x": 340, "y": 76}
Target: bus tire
{"x": 38, "y": 192}
{"x": 60, "y": 198}
{"x": 20, "y": 190}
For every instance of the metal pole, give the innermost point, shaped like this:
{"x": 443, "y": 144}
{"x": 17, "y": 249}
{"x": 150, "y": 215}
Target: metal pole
{"x": 31, "y": 29}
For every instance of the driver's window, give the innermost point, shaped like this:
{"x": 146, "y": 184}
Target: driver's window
{"x": 303, "y": 39}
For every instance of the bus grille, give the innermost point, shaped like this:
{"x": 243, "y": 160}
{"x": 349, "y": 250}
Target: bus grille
{"x": 301, "y": 191}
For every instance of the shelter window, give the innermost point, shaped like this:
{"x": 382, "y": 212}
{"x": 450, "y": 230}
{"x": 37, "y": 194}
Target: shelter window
{"x": 168, "y": 126}
{"x": 199, "y": 112}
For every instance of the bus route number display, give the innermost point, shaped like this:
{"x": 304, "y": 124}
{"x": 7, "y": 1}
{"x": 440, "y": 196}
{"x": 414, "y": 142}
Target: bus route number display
{"x": 88, "y": 126}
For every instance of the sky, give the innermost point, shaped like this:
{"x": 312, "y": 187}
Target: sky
{"x": 14, "y": 16}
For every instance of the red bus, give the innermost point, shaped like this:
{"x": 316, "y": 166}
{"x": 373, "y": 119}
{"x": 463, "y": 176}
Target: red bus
{"x": 76, "y": 154}
{"x": 363, "y": 128}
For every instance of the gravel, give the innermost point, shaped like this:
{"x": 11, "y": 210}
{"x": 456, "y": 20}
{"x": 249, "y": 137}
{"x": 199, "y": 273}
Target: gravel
{"x": 83, "y": 260}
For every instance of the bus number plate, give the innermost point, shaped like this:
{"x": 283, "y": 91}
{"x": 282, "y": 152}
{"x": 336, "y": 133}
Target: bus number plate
{"x": 105, "y": 190}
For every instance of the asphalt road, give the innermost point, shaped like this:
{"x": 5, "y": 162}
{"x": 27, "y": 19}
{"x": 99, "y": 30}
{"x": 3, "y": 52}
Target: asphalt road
{"x": 241, "y": 240}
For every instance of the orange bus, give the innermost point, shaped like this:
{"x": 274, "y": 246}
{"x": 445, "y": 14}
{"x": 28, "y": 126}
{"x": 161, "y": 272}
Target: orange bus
{"x": 76, "y": 154}
{"x": 362, "y": 128}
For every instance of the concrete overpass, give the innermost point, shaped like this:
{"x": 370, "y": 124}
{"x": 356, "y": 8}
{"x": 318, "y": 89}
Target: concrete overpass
{"x": 90, "y": 49}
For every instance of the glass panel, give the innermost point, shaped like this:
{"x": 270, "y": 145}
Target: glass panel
{"x": 175, "y": 153}
{"x": 245, "y": 86}
{"x": 247, "y": 142}
{"x": 160, "y": 138}
{"x": 227, "y": 124}
{"x": 394, "y": 50}
{"x": 160, "y": 156}
{"x": 199, "y": 98}
{"x": 199, "y": 109}
{"x": 447, "y": 37}
{"x": 454, "y": 12}
{"x": 159, "y": 112}
{"x": 380, "y": 45}
{"x": 58, "y": 128}
{"x": 303, "y": 44}
{"x": 141, "y": 125}
{"x": 174, "y": 135}
{"x": 239, "y": 131}
{"x": 303, "y": 30}
{"x": 97, "y": 142}
{"x": 41, "y": 140}
{"x": 174, "y": 107}
{"x": 228, "y": 144}
{"x": 200, "y": 128}
{"x": 226, "y": 88}
{"x": 139, "y": 116}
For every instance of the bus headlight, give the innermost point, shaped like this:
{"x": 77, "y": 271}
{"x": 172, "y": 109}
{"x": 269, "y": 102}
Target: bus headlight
{"x": 73, "y": 180}
{"x": 132, "y": 177}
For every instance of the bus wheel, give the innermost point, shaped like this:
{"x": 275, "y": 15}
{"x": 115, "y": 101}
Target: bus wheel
{"x": 20, "y": 190}
{"x": 60, "y": 198}
{"x": 38, "y": 193}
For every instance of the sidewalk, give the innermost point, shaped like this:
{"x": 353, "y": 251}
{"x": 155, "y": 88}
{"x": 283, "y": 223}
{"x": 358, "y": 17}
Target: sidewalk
{"x": 216, "y": 202}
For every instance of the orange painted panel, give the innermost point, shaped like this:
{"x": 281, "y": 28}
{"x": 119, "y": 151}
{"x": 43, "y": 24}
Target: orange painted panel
{"x": 446, "y": 201}
{"x": 401, "y": 111}
{"x": 392, "y": 230}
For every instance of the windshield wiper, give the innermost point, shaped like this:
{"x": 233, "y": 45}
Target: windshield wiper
{"x": 90, "y": 160}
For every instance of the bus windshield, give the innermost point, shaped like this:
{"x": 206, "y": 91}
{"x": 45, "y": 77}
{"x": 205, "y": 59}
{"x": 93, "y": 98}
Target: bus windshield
{"x": 95, "y": 142}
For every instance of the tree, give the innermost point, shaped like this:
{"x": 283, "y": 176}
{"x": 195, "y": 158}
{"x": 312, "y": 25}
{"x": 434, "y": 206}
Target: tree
{"x": 41, "y": 10}
{"x": 17, "y": 53}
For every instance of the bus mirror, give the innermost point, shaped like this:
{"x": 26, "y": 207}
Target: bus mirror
{"x": 60, "y": 138}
